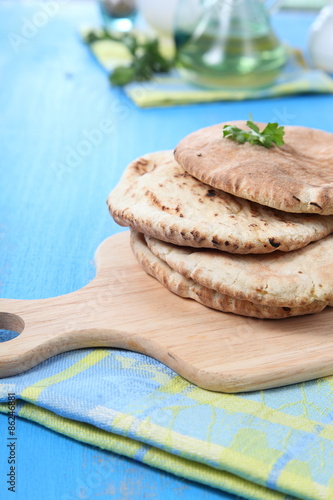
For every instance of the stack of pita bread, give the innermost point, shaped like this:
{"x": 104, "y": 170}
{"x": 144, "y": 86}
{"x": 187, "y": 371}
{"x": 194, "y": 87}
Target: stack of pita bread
{"x": 237, "y": 227}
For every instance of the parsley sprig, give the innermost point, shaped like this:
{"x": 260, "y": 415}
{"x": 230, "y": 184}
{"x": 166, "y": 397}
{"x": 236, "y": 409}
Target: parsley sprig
{"x": 272, "y": 134}
{"x": 146, "y": 56}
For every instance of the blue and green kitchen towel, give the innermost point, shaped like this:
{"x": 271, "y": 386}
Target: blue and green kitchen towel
{"x": 170, "y": 89}
{"x": 275, "y": 444}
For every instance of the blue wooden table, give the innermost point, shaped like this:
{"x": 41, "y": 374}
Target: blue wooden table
{"x": 53, "y": 97}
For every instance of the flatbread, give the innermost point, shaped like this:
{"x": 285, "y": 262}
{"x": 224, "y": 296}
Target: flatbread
{"x": 296, "y": 177}
{"x": 185, "y": 287}
{"x": 292, "y": 279}
{"x": 157, "y": 197}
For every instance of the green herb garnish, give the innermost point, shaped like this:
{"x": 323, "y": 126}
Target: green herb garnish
{"x": 146, "y": 57}
{"x": 272, "y": 133}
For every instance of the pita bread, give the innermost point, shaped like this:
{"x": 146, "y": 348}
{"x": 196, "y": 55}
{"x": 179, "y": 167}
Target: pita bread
{"x": 187, "y": 288}
{"x": 292, "y": 279}
{"x": 155, "y": 196}
{"x": 296, "y": 177}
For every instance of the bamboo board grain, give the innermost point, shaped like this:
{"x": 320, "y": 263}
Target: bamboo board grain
{"x": 123, "y": 307}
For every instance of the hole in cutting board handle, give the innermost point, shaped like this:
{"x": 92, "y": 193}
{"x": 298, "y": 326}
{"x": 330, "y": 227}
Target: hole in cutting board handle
{"x": 11, "y": 326}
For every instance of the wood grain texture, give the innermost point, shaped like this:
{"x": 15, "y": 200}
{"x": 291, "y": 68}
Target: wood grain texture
{"x": 123, "y": 307}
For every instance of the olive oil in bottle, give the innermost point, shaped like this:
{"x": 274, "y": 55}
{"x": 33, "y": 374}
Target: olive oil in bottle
{"x": 231, "y": 46}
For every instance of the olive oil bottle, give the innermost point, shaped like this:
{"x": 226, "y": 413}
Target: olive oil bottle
{"x": 231, "y": 45}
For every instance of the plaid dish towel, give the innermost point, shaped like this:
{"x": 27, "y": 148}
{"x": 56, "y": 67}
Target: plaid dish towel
{"x": 268, "y": 445}
{"x": 170, "y": 89}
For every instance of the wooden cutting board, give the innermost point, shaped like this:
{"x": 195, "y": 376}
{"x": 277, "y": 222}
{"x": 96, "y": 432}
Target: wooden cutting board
{"x": 123, "y": 307}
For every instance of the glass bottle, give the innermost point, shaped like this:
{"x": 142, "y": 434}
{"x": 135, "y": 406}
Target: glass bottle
{"x": 227, "y": 43}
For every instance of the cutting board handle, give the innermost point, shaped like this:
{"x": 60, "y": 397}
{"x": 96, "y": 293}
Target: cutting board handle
{"x": 50, "y": 326}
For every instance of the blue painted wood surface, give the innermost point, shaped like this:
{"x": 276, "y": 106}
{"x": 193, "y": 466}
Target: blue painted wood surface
{"x": 54, "y": 100}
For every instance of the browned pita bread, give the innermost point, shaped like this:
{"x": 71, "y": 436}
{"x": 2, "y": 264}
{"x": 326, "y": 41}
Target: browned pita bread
{"x": 291, "y": 279}
{"x": 157, "y": 197}
{"x": 296, "y": 177}
{"x": 185, "y": 287}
